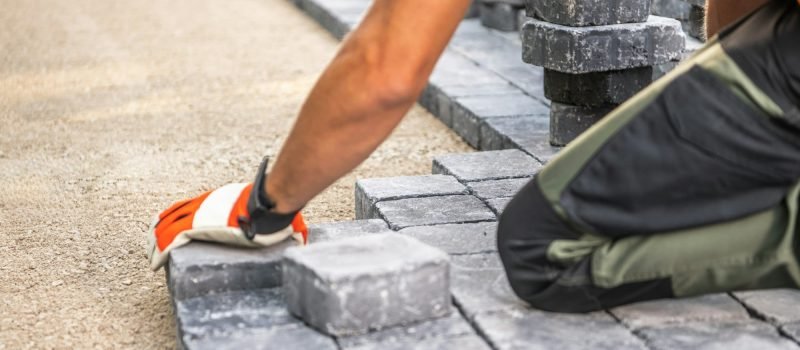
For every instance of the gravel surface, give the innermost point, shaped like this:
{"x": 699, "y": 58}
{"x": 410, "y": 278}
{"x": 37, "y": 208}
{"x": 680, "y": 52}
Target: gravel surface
{"x": 110, "y": 111}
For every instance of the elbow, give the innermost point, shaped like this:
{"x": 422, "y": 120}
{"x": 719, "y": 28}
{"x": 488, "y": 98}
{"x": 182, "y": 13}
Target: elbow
{"x": 395, "y": 87}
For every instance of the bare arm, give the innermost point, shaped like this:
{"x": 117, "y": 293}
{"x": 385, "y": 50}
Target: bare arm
{"x": 370, "y": 85}
{"x": 720, "y": 13}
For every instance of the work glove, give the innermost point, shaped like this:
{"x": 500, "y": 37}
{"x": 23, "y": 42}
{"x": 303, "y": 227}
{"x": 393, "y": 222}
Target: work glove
{"x": 235, "y": 214}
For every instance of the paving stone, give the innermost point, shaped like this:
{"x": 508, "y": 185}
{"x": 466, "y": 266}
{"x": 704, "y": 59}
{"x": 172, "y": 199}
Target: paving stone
{"x": 498, "y": 205}
{"x": 501, "y": 15}
{"x": 677, "y": 9}
{"x": 351, "y": 286}
{"x": 697, "y": 20}
{"x": 491, "y": 165}
{"x": 581, "y": 13}
{"x": 536, "y": 330}
{"x": 469, "y": 113}
{"x": 497, "y": 188}
{"x": 446, "y": 97}
{"x": 604, "y": 48}
{"x": 708, "y": 336}
{"x": 567, "y": 122}
{"x": 292, "y": 336}
{"x": 369, "y": 192}
{"x": 452, "y": 332}
{"x": 345, "y": 229}
{"x": 777, "y": 306}
{"x": 453, "y": 69}
{"x": 530, "y": 134}
{"x": 201, "y": 268}
{"x": 457, "y": 238}
{"x": 439, "y": 210}
{"x": 708, "y": 308}
{"x": 479, "y": 285}
{"x": 791, "y": 330}
{"x": 596, "y": 89}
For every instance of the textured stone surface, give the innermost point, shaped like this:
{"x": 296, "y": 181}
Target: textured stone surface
{"x": 369, "y": 192}
{"x": 596, "y": 89}
{"x": 536, "y": 330}
{"x": 452, "y": 332}
{"x": 778, "y": 306}
{"x": 792, "y": 330}
{"x": 677, "y": 9}
{"x": 498, "y": 205}
{"x": 501, "y": 15}
{"x": 469, "y": 113}
{"x": 479, "y": 285}
{"x": 457, "y": 238}
{"x": 346, "y": 229}
{"x": 497, "y": 188}
{"x": 697, "y": 26}
{"x": 292, "y": 336}
{"x": 491, "y": 165}
{"x": 708, "y": 308}
{"x": 580, "y": 13}
{"x": 530, "y": 134}
{"x": 355, "y": 285}
{"x": 201, "y": 268}
{"x": 595, "y": 49}
{"x": 446, "y": 97}
{"x": 567, "y": 122}
{"x": 708, "y": 336}
{"x": 410, "y": 212}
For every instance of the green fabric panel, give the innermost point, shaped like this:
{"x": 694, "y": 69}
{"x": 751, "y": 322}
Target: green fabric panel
{"x": 753, "y": 252}
{"x": 571, "y": 251}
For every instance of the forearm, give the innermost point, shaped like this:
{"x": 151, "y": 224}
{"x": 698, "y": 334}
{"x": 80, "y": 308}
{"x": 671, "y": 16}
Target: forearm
{"x": 720, "y": 13}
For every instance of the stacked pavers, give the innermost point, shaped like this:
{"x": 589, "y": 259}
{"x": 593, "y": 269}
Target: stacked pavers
{"x": 697, "y": 18}
{"x": 596, "y": 54}
{"x": 677, "y": 9}
{"x": 503, "y": 15}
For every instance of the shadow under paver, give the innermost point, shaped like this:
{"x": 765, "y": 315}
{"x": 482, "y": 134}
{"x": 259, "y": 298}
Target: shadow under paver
{"x": 428, "y": 211}
{"x": 369, "y": 192}
{"x": 707, "y": 308}
{"x": 451, "y": 332}
{"x": 490, "y": 165}
{"x": 457, "y": 238}
{"x": 716, "y": 336}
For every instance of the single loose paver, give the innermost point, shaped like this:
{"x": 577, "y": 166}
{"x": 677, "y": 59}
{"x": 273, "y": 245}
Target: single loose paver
{"x": 469, "y": 113}
{"x": 713, "y": 336}
{"x": 457, "y": 238}
{"x": 451, "y": 332}
{"x": 491, "y": 165}
{"x": 708, "y": 308}
{"x": 369, "y": 192}
{"x": 410, "y": 212}
{"x": 351, "y": 286}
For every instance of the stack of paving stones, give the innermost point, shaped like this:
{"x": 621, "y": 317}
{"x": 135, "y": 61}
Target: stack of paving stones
{"x": 697, "y": 16}
{"x": 681, "y": 11}
{"x": 503, "y": 15}
{"x": 595, "y": 54}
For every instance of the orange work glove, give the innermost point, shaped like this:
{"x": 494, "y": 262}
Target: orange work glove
{"x": 236, "y": 214}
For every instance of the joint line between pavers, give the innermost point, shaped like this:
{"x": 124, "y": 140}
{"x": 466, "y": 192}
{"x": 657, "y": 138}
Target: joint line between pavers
{"x": 757, "y": 315}
{"x": 485, "y": 337}
{"x": 449, "y": 223}
{"x": 633, "y": 331}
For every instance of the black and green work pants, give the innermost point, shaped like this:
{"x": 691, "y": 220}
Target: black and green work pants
{"x": 691, "y": 187}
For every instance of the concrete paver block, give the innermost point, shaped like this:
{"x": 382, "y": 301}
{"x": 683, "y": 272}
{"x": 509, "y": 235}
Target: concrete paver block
{"x": 457, "y": 238}
{"x": 604, "y": 48}
{"x": 479, "y": 285}
{"x": 491, "y": 165}
{"x": 778, "y": 306}
{"x": 469, "y": 113}
{"x": 501, "y": 15}
{"x": 446, "y": 97}
{"x": 712, "y": 336}
{"x": 451, "y": 332}
{"x": 351, "y": 286}
{"x": 568, "y": 121}
{"x": 581, "y": 13}
{"x": 596, "y": 89}
{"x": 369, "y": 192}
{"x": 697, "y": 22}
{"x": 497, "y": 188}
{"x": 426, "y": 211}
{"x": 707, "y": 308}
{"x": 292, "y": 336}
{"x": 529, "y": 134}
{"x": 345, "y": 229}
{"x": 677, "y": 9}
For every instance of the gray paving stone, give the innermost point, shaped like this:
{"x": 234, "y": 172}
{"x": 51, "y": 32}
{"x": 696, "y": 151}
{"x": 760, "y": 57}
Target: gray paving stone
{"x": 452, "y": 332}
{"x": 779, "y": 306}
{"x": 201, "y": 268}
{"x": 469, "y": 113}
{"x": 292, "y": 336}
{"x": 479, "y": 285}
{"x": 677, "y": 9}
{"x": 490, "y": 165}
{"x": 369, "y": 192}
{"x": 697, "y": 27}
{"x": 529, "y": 134}
{"x": 498, "y": 205}
{"x": 581, "y": 13}
{"x": 351, "y": 286}
{"x": 708, "y": 308}
{"x": 604, "y": 48}
{"x": 567, "y": 121}
{"x": 791, "y": 330}
{"x": 497, "y": 188}
{"x": 345, "y": 229}
{"x": 427, "y": 211}
{"x": 596, "y": 89}
{"x": 501, "y": 15}
{"x": 446, "y": 97}
{"x": 457, "y": 238}
{"x": 453, "y": 69}
{"x": 536, "y": 330}
{"x": 708, "y": 336}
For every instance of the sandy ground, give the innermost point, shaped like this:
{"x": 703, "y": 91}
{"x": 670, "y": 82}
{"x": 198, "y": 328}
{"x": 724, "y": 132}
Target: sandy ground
{"x": 109, "y": 111}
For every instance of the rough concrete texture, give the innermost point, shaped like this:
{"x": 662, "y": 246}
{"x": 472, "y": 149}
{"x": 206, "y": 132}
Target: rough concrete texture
{"x": 529, "y": 134}
{"x": 567, "y": 122}
{"x": 497, "y": 188}
{"x": 426, "y": 211}
{"x": 697, "y": 23}
{"x": 451, "y": 332}
{"x": 677, "y": 9}
{"x": 490, "y": 165}
{"x": 371, "y": 191}
{"x": 446, "y": 97}
{"x": 200, "y": 268}
{"x": 366, "y": 283}
{"x": 708, "y": 308}
{"x": 291, "y": 336}
{"x": 604, "y": 48}
{"x": 501, "y": 15}
{"x": 714, "y": 336}
{"x": 536, "y": 330}
{"x": 469, "y": 113}
{"x": 791, "y": 330}
{"x": 498, "y": 205}
{"x": 345, "y": 229}
{"x": 778, "y": 306}
{"x": 596, "y": 89}
{"x": 582, "y": 13}
{"x": 479, "y": 285}
{"x": 457, "y": 238}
